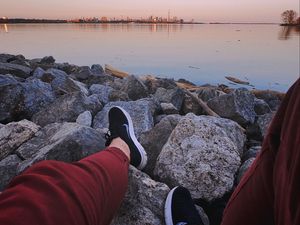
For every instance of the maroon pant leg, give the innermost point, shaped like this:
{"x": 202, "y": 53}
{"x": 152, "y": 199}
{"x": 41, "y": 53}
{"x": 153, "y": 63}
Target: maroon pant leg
{"x": 269, "y": 193}
{"x": 56, "y": 193}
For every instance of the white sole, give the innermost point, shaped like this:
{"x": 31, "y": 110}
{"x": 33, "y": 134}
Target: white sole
{"x": 168, "y": 208}
{"x": 133, "y": 137}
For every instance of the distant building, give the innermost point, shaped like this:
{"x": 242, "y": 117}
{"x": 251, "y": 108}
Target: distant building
{"x": 104, "y": 19}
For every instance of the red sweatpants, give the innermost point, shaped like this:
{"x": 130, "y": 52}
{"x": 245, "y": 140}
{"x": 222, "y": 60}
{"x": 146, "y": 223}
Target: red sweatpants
{"x": 269, "y": 192}
{"x": 55, "y": 193}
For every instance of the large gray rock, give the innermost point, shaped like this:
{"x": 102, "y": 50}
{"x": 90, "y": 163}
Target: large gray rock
{"x": 154, "y": 83}
{"x": 4, "y": 58}
{"x": 270, "y": 98}
{"x": 67, "y": 108}
{"x": 154, "y": 140}
{"x": 209, "y": 93}
{"x": 174, "y": 96}
{"x": 141, "y": 112}
{"x": 85, "y": 119}
{"x": 10, "y": 98}
{"x": 237, "y": 105}
{"x": 251, "y": 152}
{"x": 261, "y": 107}
{"x": 168, "y": 108}
{"x": 264, "y": 122}
{"x": 48, "y": 60}
{"x": 135, "y": 88}
{"x": 35, "y": 96}
{"x": 202, "y": 154}
{"x": 19, "y": 100}
{"x": 14, "y": 134}
{"x": 60, "y": 141}
{"x": 243, "y": 169}
{"x": 144, "y": 201}
{"x": 8, "y": 169}
{"x": 14, "y": 69}
{"x": 103, "y": 91}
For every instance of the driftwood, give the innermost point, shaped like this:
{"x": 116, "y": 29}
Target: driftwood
{"x": 259, "y": 93}
{"x": 114, "y": 72}
{"x": 237, "y": 81}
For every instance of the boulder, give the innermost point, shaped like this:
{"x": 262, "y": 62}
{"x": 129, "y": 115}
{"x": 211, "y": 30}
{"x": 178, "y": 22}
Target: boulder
{"x": 141, "y": 112}
{"x": 270, "y": 98}
{"x": 243, "y": 169}
{"x": 36, "y": 95}
{"x": 38, "y": 73}
{"x": 14, "y": 134}
{"x": 189, "y": 105}
{"x": 103, "y": 91}
{"x": 97, "y": 69}
{"x": 135, "y": 88}
{"x": 66, "y": 67}
{"x": 154, "y": 83}
{"x": 203, "y": 155}
{"x": 67, "y": 108}
{"x": 5, "y": 57}
{"x": 11, "y": 92}
{"x": 154, "y": 140}
{"x": 117, "y": 95}
{"x": 144, "y": 201}
{"x": 66, "y": 142}
{"x": 174, "y": 96}
{"x": 14, "y": 69}
{"x": 209, "y": 93}
{"x": 48, "y": 60}
{"x": 8, "y": 170}
{"x": 251, "y": 152}
{"x": 168, "y": 108}
{"x": 85, "y": 119}
{"x": 261, "y": 107}
{"x": 237, "y": 105}
{"x": 264, "y": 122}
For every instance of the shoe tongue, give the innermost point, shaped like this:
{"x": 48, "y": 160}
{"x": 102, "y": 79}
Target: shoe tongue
{"x": 182, "y": 223}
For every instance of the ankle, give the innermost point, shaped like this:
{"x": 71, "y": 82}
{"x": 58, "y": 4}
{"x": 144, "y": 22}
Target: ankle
{"x": 120, "y": 144}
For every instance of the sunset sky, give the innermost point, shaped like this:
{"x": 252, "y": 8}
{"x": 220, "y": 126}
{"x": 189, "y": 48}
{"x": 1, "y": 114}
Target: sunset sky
{"x": 200, "y": 10}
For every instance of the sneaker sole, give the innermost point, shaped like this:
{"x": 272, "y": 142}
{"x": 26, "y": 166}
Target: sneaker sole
{"x": 134, "y": 139}
{"x": 168, "y": 208}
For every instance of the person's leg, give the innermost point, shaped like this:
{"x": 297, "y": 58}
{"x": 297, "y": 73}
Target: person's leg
{"x": 50, "y": 192}
{"x": 269, "y": 191}
{"x": 86, "y": 192}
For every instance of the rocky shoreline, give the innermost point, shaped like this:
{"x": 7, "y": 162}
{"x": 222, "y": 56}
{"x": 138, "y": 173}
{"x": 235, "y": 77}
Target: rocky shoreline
{"x": 59, "y": 111}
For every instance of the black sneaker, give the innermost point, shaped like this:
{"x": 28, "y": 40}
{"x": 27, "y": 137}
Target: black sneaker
{"x": 120, "y": 125}
{"x": 180, "y": 208}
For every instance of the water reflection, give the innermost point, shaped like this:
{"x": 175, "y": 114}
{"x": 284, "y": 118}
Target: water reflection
{"x": 288, "y": 32}
{"x": 5, "y": 28}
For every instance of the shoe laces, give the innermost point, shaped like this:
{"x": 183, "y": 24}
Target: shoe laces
{"x": 109, "y": 136}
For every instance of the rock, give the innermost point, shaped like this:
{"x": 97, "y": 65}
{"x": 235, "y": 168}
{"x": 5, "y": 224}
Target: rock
{"x": 141, "y": 112}
{"x": 97, "y": 69}
{"x": 14, "y": 69}
{"x": 10, "y": 98}
{"x": 76, "y": 85}
{"x": 19, "y": 100}
{"x": 14, "y": 134}
{"x": 168, "y": 108}
{"x": 209, "y": 93}
{"x": 103, "y": 91}
{"x": 8, "y": 170}
{"x": 251, "y": 152}
{"x": 48, "y": 60}
{"x": 60, "y": 141}
{"x": 154, "y": 83}
{"x": 85, "y": 119}
{"x": 1, "y": 125}
{"x": 67, "y": 68}
{"x": 201, "y": 154}
{"x": 237, "y": 106}
{"x": 203, "y": 215}
{"x": 83, "y": 74}
{"x": 67, "y": 108}
{"x": 154, "y": 139}
{"x": 116, "y": 95}
{"x": 243, "y": 169}
{"x": 189, "y": 105}
{"x": 5, "y": 57}
{"x": 38, "y": 73}
{"x": 135, "y": 88}
{"x": 144, "y": 201}
{"x": 261, "y": 107}
{"x": 35, "y": 96}
{"x": 264, "y": 121}
{"x": 174, "y": 96}
{"x": 270, "y": 98}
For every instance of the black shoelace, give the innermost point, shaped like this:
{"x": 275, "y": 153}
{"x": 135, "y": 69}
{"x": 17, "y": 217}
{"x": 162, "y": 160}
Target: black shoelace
{"x": 109, "y": 136}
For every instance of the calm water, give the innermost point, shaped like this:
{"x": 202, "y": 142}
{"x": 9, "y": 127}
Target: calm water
{"x": 266, "y": 55}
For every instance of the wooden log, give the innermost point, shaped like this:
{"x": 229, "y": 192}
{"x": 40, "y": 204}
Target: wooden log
{"x": 115, "y": 72}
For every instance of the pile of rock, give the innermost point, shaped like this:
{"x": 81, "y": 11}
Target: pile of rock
{"x": 59, "y": 111}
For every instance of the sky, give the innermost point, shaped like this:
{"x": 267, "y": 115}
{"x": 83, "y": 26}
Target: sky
{"x": 199, "y": 10}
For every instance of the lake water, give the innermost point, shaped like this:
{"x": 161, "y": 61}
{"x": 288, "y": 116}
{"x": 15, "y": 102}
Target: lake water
{"x": 265, "y": 55}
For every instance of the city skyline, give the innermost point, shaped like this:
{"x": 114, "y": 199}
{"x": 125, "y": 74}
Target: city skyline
{"x": 201, "y": 11}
